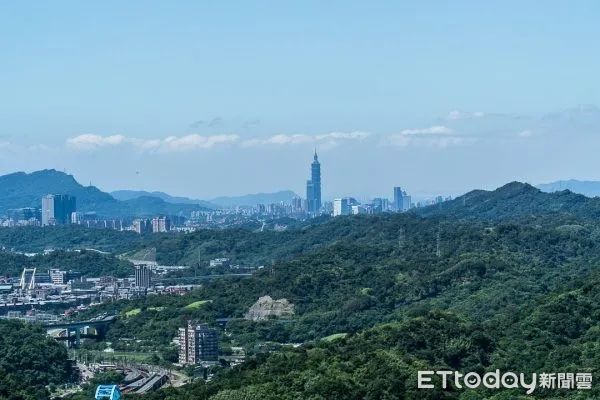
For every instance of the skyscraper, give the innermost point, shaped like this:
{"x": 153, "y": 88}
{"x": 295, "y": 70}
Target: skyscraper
{"x": 57, "y": 209}
{"x": 313, "y": 187}
{"x": 161, "y": 224}
{"x": 398, "y": 199}
{"x": 143, "y": 276}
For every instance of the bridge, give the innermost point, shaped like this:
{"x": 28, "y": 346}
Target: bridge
{"x": 108, "y": 392}
{"x": 74, "y": 329}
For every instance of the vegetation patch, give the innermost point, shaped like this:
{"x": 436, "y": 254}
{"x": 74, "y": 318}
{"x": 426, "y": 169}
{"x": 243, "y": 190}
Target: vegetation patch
{"x": 335, "y": 336}
{"x": 134, "y": 312}
{"x": 197, "y": 304}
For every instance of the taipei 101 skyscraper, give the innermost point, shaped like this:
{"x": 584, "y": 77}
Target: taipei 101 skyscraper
{"x": 313, "y": 187}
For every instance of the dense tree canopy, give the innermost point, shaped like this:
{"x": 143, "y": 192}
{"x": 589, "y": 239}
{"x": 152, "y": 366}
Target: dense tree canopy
{"x": 88, "y": 262}
{"x": 379, "y": 297}
{"x": 30, "y": 361}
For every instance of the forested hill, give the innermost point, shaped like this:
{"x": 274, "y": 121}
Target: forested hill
{"x": 30, "y": 362}
{"x": 20, "y": 189}
{"x": 377, "y": 297}
{"x": 516, "y": 200}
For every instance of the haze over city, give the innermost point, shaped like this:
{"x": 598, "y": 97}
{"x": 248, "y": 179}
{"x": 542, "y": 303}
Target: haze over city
{"x": 205, "y": 100}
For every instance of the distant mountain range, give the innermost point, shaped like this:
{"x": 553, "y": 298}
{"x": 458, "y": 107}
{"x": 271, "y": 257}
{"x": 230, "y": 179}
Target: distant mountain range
{"x": 127, "y": 195}
{"x": 586, "y": 188}
{"x": 19, "y": 190}
{"x": 253, "y": 199}
{"x": 219, "y": 202}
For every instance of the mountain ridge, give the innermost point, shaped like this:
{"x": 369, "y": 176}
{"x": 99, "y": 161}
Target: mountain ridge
{"x": 247, "y": 200}
{"x": 516, "y": 200}
{"x": 255, "y": 198}
{"x": 126, "y": 195}
{"x": 586, "y": 188}
{"x": 20, "y": 189}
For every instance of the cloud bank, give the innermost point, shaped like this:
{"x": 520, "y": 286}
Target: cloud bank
{"x": 88, "y": 142}
{"x": 456, "y": 128}
{"x": 167, "y": 144}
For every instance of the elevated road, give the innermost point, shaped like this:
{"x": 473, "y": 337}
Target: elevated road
{"x": 100, "y": 325}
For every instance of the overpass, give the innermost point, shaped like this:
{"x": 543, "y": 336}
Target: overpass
{"x": 74, "y": 328}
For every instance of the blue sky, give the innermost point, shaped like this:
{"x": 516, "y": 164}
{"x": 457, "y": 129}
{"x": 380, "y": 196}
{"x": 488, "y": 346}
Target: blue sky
{"x": 233, "y": 96}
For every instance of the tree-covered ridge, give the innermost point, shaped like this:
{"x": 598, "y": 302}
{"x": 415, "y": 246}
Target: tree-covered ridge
{"x": 512, "y": 202}
{"x": 392, "y": 294}
{"x": 30, "y": 361}
{"x": 380, "y": 269}
{"x": 558, "y": 333}
{"x": 516, "y": 200}
{"x": 379, "y": 363}
{"x": 88, "y": 262}
{"x": 67, "y": 237}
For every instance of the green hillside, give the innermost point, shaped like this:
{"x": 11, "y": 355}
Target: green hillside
{"x": 30, "y": 362}
{"x": 467, "y": 286}
{"x": 517, "y": 200}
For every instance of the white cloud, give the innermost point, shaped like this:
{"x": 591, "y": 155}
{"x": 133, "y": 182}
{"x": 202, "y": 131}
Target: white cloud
{"x": 195, "y": 141}
{"x": 168, "y": 144}
{"x": 434, "y": 136}
{"x": 185, "y": 143}
{"x": 329, "y": 139}
{"x": 454, "y": 115}
{"x": 400, "y": 140}
{"x": 525, "y": 133}
{"x": 356, "y": 135}
{"x": 89, "y": 141}
{"x": 433, "y": 130}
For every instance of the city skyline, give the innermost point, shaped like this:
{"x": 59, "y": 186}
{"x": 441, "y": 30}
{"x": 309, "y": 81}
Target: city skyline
{"x": 461, "y": 133}
{"x": 441, "y": 98}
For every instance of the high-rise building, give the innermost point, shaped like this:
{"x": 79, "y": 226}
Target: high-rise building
{"x": 380, "y": 205}
{"x": 57, "y": 209}
{"x": 183, "y": 346}
{"x": 143, "y": 276}
{"x": 142, "y": 226}
{"x": 398, "y": 199}
{"x": 198, "y": 342}
{"x": 161, "y": 224}
{"x": 406, "y": 202}
{"x": 77, "y": 218}
{"x": 296, "y": 204}
{"x": 208, "y": 343}
{"x": 341, "y": 207}
{"x": 357, "y": 209}
{"x": 313, "y": 187}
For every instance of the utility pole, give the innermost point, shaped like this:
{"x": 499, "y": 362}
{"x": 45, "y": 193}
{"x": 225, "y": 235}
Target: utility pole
{"x": 401, "y": 238}
{"x": 438, "y": 251}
